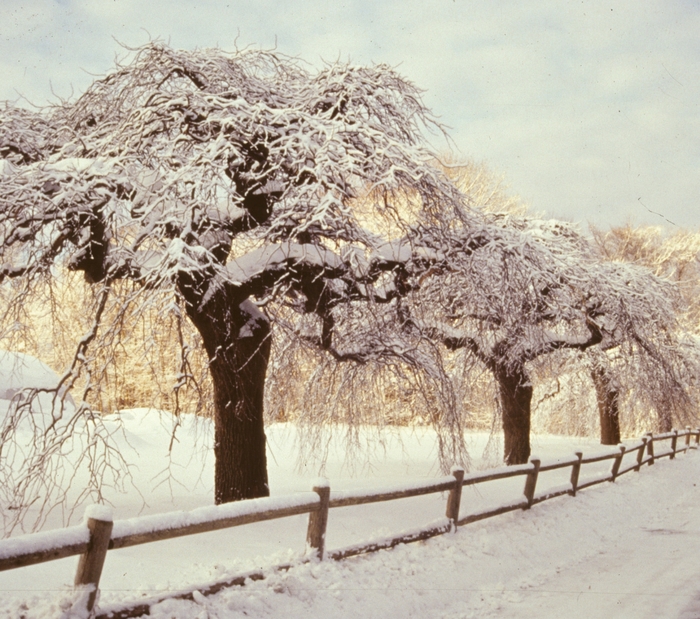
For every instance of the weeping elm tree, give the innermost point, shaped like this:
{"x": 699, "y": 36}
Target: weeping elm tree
{"x": 514, "y": 293}
{"x": 525, "y": 289}
{"x": 224, "y": 181}
{"x": 643, "y": 368}
{"x": 662, "y": 373}
{"x": 642, "y": 357}
{"x": 509, "y": 295}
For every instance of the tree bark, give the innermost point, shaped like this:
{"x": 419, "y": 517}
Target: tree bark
{"x": 608, "y": 396}
{"x": 515, "y": 393}
{"x": 236, "y": 336}
{"x": 665, "y": 422}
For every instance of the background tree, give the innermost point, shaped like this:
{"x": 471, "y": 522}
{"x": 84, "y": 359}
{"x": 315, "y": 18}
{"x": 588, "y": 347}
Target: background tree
{"x": 507, "y": 302}
{"x": 675, "y": 256}
{"x": 535, "y": 288}
{"x": 656, "y": 362}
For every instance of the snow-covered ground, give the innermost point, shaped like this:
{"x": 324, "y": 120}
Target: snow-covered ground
{"x": 623, "y": 551}
{"x": 626, "y": 550}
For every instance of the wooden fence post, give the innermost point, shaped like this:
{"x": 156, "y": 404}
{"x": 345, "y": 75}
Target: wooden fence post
{"x": 617, "y": 462}
{"x": 455, "y": 497}
{"x": 99, "y": 523}
{"x": 697, "y": 437}
{"x": 650, "y": 448}
{"x": 531, "y": 481}
{"x": 674, "y": 442}
{"x": 640, "y": 454}
{"x": 687, "y": 438}
{"x": 318, "y": 520}
{"x": 575, "y": 472}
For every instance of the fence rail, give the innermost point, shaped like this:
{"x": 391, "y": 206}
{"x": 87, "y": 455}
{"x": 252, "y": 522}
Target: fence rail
{"x": 98, "y": 535}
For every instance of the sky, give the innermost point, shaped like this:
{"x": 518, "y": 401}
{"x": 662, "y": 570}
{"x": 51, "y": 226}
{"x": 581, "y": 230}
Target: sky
{"x": 589, "y": 110}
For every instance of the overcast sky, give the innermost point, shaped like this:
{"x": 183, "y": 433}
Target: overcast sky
{"x": 589, "y": 109}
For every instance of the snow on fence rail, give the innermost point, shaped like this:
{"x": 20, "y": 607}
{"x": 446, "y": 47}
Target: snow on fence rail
{"x": 99, "y": 534}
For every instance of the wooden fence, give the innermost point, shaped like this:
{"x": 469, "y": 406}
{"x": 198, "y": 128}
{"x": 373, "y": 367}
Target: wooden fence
{"x": 93, "y": 540}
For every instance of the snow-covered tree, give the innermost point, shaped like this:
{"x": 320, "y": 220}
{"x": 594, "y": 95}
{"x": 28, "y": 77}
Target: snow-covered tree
{"x": 533, "y": 288}
{"x": 655, "y": 281}
{"x": 509, "y": 300}
{"x": 209, "y": 184}
{"x": 675, "y": 256}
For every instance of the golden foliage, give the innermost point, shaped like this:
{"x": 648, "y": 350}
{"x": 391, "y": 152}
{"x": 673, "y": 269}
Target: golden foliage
{"x": 675, "y": 256}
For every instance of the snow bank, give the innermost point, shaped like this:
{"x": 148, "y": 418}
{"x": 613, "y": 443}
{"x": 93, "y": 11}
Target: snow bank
{"x": 20, "y": 371}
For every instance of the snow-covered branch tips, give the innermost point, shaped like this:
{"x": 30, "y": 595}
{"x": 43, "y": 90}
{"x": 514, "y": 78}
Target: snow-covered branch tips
{"x": 268, "y": 202}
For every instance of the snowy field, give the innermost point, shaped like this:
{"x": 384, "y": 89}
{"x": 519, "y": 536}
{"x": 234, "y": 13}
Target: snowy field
{"x": 623, "y": 550}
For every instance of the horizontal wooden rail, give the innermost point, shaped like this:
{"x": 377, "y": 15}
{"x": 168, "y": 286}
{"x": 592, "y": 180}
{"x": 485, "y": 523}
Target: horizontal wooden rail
{"x": 500, "y": 473}
{"x": 558, "y": 464}
{"x": 146, "y": 529}
{"x": 627, "y": 469}
{"x": 553, "y": 492}
{"x": 44, "y": 546}
{"x": 50, "y": 545}
{"x": 665, "y": 454}
{"x": 91, "y": 541}
{"x": 360, "y": 497}
{"x": 666, "y": 435}
{"x": 594, "y": 481}
{"x": 600, "y": 458}
{"x": 494, "y": 511}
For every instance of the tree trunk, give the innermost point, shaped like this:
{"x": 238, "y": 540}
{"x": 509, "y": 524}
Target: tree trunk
{"x": 236, "y": 337}
{"x": 665, "y": 422}
{"x": 608, "y": 396}
{"x": 515, "y": 392}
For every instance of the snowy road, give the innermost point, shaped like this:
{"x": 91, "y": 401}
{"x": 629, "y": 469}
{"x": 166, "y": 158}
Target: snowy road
{"x": 628, "y": 550}
{"x": 652, "y": 569}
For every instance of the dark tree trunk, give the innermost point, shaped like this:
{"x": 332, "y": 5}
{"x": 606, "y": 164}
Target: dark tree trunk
{"x": 515, "y": 392}
{"x": 665, "y": 422}
{"x": 236, "y": 336}
{"x": 608, "y": 396}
